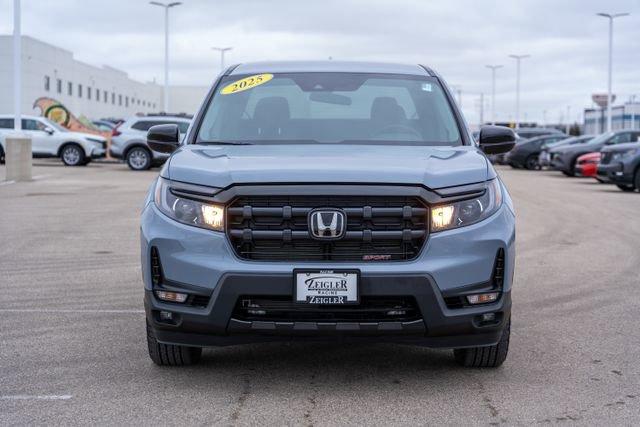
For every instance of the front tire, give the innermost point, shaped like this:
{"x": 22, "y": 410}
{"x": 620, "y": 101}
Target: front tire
{"x": 72, "y": 155}
{"x": 626, "y": 187}
{"x": 2, "y": 160}
{"x": 485, "y": 357}
{"x": 532, "y": 162}
{"x": 138, "y": 159}
{"x": 171, "y": 355}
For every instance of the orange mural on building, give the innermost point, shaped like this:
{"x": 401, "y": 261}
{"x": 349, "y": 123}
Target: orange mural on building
{"x": 57, "y": 112}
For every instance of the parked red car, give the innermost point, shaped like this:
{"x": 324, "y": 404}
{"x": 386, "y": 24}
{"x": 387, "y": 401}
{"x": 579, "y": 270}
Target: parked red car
{"x": 587, "y": 165}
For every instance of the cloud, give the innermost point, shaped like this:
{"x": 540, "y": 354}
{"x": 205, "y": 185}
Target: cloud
{"x": 566, "y": 41}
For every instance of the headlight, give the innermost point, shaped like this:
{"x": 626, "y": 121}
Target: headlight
{"x": 95, "y": 140}
{"x": 188, "y": 211}
{"x": 467, "y": 212}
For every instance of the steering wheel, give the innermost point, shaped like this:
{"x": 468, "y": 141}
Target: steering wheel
{"x": 397, "y": 128}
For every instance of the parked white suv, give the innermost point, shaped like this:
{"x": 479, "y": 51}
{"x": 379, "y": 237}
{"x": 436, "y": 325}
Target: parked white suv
{"x": 129, "y": 140}
{"x": 49, "y": 139}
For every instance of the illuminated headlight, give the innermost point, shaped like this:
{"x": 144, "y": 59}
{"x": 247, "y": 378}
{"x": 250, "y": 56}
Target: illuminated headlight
{"x": 467, "y": 212}
{"x": 188, "y": 211}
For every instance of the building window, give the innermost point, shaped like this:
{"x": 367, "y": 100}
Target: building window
{"x": 88, "y": 93}
{"x": 97, "y": 95}
{"x": 126, "y": 101}
{"x": 47, "y": 83}
{"x": 105, "y": 97}
{"x": 120, "y": 99}
{"x": 113, "y": 98}
{"x": 59, "y": 85}
{"x": 79, "y": 90}
{"x": 69, "y": 88}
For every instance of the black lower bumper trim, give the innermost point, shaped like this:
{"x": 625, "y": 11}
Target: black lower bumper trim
{"x": 440, "y": 326}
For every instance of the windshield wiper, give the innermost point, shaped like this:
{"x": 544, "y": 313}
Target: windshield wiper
{"x": 224, "y": 143}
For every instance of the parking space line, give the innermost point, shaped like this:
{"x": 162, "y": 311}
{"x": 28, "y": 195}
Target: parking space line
{"x": 37, "y": 397}
{"x": 46, "y": 310}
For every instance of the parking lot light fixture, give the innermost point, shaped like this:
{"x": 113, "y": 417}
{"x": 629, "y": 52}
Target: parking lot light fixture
{"x": 611, "y": 17}
{"x": 493, "y": 69}
{"x": 518, "y": 58}
{"x": 222, "y": 51}
{"x": 166, "y": 7}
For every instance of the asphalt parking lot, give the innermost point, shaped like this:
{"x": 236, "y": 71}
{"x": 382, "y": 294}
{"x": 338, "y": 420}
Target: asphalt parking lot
{"x": 73, "y": 349}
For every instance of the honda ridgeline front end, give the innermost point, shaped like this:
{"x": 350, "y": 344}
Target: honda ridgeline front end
{"x": 328, "y": 201}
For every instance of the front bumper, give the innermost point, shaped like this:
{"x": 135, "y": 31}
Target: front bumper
{"x": 215, "y": 324}
{"x": 559, "y": 163}
{"x": 98, "y": 153}
{"x": 586, "y": 169}
{"x": 202, "y": 262}
{"x": 614, "y": 173}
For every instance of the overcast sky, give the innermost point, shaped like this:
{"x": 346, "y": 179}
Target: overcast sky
{"x": 566, "y": 41}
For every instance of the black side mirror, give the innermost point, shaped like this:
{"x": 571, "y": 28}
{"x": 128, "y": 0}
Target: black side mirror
{"x": 496, "y": 139}
{"x": 164, "y": 138}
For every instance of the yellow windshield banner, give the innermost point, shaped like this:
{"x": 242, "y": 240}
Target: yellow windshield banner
{"x": 246, "y": 83}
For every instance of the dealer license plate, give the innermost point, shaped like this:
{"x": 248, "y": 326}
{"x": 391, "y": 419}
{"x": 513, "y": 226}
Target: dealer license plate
{"x": 326, "y": 286}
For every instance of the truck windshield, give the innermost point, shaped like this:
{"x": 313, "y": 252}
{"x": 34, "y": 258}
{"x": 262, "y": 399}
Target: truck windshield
{"x": 329, "y": 108}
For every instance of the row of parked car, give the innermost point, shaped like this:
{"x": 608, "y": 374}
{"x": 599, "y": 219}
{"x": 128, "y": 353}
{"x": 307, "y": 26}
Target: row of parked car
{"x": 128, "y": 139}
{"x": 612, "y": 157}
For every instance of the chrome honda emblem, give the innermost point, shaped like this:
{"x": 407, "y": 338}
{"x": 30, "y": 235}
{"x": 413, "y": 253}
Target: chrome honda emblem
{"x": 327, "y": 223}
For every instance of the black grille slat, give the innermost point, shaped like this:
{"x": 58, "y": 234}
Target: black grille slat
{"x": 370, "y": 308}
{"x": 378, "y": 228}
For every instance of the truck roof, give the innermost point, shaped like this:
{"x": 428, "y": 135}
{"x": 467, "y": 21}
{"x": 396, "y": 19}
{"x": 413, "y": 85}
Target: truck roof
{"x": 328, "y": 66}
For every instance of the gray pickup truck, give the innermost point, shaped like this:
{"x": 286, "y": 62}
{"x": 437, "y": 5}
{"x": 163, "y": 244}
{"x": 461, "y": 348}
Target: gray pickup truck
{"x": 328, "y": 201}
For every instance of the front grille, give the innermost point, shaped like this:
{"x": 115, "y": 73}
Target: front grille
{"x": 275, "y": 228}
{"x": 283, "y": 309}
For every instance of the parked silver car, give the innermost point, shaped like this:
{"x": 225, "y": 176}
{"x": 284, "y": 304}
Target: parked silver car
{"x": 129, "y": 140}
{"x": 49, "y": 139}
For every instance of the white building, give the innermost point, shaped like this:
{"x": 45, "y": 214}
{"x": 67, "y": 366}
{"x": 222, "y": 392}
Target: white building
{"x": 625, "y": 116}
{"x": 86, "y": 90}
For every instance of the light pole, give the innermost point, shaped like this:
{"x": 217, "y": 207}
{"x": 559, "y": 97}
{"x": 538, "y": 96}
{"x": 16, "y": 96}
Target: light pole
{"x": 632, "y": 98}
{"x": 518, "y": 58}
{"x": 222, "y": 50}
{"x": 568, "y": 126}
{"x": 17, "y": 67}
{"x": 166, "y": 7}
{"x": 611, "y": 17}
{"x": 493, "y": 69}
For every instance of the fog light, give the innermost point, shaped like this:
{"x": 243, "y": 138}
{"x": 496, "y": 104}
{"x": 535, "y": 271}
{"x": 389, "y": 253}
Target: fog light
{"x": 488, "y": 317}
{"x": 171, "y": 296}
{"x": 166, "y": 315}
{"x": 482, "y": 298}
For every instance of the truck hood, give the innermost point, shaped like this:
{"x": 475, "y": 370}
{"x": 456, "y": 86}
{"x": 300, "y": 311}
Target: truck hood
{"x": 620, "y": 147}
{"x": 223, "y": 165}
